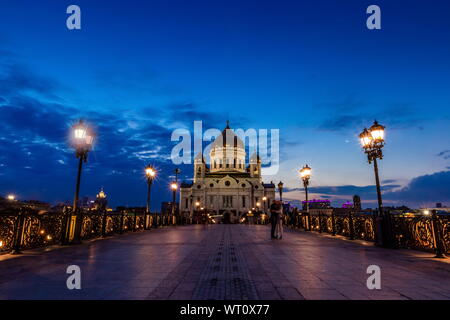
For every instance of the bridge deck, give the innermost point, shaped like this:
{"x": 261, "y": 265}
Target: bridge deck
{"x": 223, "y": 262}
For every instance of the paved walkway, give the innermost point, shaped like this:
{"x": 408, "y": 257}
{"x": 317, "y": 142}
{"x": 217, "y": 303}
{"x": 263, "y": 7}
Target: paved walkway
{"x": 223, "y": 262}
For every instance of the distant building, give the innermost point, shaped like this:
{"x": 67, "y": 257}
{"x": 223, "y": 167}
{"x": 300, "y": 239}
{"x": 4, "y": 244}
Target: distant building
{"x": 317, "y": 204}
{"x": 439, "y": 209}
{"x": 6, "y": 204}
{"x": 357, "y": 203}
{"x": 347, "y": 204}
{"x": 101, "y": 201}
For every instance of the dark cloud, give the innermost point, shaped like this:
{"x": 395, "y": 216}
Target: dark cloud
{"x": 350, "y": 103}
{"x": 444, "y": 154}
{"x": 423, "y": 189}
{"x": 139, "y": 81}
{"x": 388, "y": 181}
{"x": 17, "y": 78}
{"x": 35, "y": 160}
{"x": 428, "y": 188}
{"x": 365, "y": 192}
{"x": 359, "y": 115}
{"x": 343, "y": 122}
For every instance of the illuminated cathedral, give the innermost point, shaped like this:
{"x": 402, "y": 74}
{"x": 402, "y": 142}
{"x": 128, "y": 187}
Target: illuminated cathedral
{"x": 227, "y": 187}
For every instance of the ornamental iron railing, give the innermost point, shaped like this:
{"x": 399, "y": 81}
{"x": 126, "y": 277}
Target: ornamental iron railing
{"x": 22, "y": 229}
{"x": 411, "y": 231}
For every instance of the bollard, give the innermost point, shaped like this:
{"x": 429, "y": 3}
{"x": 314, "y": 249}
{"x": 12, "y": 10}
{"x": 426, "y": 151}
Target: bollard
{"x": 320, "y": 222}
{"x": 104, "y": 224}
{"x": 121, "y": 223}
{"x": 351, "y": 226}
{"x": 18, "y": 234}
{"x": 439, "y": 243}
{"x": 65, "y": 227}
{"x": 333, "y": 224}
{"x": 78, "y": 226}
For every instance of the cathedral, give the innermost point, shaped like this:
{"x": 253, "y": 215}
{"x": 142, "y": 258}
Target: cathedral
{"x": 227, "y": 188}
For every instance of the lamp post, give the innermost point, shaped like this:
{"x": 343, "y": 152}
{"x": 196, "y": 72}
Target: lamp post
{"x": 305, "y": 174}
{"x": 82, "y": 141}
{"x": 280, "y": 189}
{"x": 177, "y": 172}
{"x": 264, "y": 209}
{"x": 150, "y": 173}
{"x": 174, "y": 187}
{"x": 372, "y": 141}
{"x": 197, "y": 206}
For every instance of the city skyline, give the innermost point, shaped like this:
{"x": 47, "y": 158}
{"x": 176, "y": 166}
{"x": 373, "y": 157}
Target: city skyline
{"x": 178, "y": 63}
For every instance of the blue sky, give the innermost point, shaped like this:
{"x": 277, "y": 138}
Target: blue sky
{"x": 138, "y": 69}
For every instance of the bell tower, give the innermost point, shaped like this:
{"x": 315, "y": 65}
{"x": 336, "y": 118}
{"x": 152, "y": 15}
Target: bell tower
{"x": 255, "y": 166}
{"x": 199, "y": 167}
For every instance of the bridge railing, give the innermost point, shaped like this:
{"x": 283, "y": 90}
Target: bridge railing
{"x": 411, "y": 231}
{"x": 25, "y": 228}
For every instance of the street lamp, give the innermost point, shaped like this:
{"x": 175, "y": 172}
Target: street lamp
{"x": 82, "y": 141}
{"x": 174, "y": 187}
{"x": 305, "y": 174}
{"x": 372, "y": 141}
{"x": 150, "y": 173}
{"x": 264, "y": 199}
{"x": 11, "y": 197}
{"x": 280, "y": 189}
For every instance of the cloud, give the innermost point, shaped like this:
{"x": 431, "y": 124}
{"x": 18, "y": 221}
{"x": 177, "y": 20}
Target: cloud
{"x": 444, "y": 154}
{"x": 420, "y": 190}
{"x": 359, "y": 115}
{"x": 17, "y": 79}
{"x": 388, "y": 181}
{"x": 427, "y": 188}
{"x": 35, "y": 157}
{"x": 365, "y": 192}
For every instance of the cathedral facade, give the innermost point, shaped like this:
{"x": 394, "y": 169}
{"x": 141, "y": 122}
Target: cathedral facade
{"x": 227, "y": 187}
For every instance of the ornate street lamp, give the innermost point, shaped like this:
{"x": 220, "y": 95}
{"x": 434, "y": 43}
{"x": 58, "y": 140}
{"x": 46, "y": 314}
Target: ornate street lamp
{"x": 372, "y": 141}
{"x": 150, "y": 174}
{"x": 177, "y": 172}
{"x": 174, "y": 187}
{"x": 280, "y": 189}
{"x": 305, "y": 174}
{"x": 82, "y": 142}
{"x": 264, "y": 199}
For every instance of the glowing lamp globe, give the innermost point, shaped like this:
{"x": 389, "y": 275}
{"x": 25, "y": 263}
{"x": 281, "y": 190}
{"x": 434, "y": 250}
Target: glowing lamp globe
{"x": 305, "y": 172}
{"x": 377, "y": 132}
{"x": 366, "y": 138}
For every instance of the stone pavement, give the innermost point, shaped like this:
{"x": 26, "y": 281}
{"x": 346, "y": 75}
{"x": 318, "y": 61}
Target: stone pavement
{"x": 223, "y": 262}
